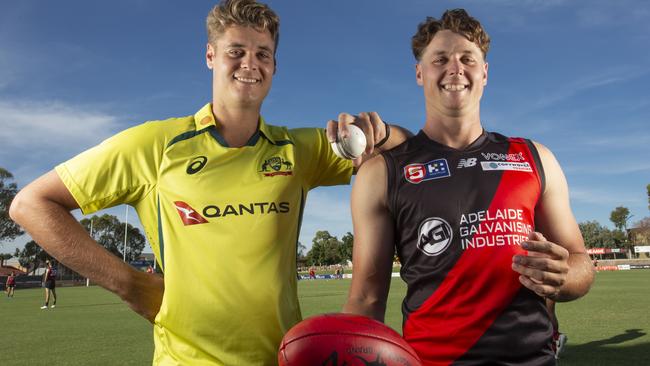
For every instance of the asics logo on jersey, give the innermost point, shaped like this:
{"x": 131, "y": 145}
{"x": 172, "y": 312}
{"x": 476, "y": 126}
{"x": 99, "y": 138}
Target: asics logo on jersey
{"x": 196, "y": 165}
{"x": 435, "y": 169}
{"x": 435, "y": 236}
{"x": 189, "y": 216}
{"x": 466, "y": 163}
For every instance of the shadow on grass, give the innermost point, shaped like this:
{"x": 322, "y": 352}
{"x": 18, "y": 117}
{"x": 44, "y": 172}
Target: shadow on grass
{"x": 609, "y": 351}
{"x": 86, "y": 305}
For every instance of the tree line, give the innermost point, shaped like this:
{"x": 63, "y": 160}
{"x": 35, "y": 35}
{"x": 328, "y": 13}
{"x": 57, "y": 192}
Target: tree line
{"x": 326, "y": 249}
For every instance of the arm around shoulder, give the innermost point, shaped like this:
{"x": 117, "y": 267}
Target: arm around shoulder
{"x": 373, "y": 242}
{"x": 554, "y": 219}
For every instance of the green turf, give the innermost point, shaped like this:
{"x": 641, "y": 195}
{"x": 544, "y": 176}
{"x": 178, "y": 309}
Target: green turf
{"x": 92, "y": 327}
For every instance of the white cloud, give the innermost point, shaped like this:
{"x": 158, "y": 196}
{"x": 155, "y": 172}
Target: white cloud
{"x": 611, "y": 13}
{"x": 602, "y": 197}
{"x": 618, "y": 167}
{"x": 38, "y": 135}
{"x": 562, "y": 93}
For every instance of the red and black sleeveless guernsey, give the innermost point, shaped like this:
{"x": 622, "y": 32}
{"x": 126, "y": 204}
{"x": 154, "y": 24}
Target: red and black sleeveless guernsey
{"x": 459, "y": 218}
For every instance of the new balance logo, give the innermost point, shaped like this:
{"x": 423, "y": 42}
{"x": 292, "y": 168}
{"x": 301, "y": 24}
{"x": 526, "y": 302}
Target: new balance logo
{"x": 466, "y": 163}
{"x": 188, "y": 215}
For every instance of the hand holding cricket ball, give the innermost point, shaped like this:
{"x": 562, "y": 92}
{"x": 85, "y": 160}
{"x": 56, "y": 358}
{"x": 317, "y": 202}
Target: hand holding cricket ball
{"x": 353, "y": 135}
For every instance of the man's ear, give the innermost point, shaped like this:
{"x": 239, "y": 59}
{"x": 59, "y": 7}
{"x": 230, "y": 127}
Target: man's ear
{"x": 418, "y": 74}
{"x": 209, "y": 56}
{"x": 485, "y": 74}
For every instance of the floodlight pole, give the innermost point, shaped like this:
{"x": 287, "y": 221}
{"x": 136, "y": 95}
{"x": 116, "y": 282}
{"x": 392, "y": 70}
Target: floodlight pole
{"x": 126, "y": 222}
{"x": 91, "y": 235}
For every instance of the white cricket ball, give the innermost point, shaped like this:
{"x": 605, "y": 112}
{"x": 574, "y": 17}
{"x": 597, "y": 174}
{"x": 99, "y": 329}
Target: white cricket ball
{"x": 352, "y": 146}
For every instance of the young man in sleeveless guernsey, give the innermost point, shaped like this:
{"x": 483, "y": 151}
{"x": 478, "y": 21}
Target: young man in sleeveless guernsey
{"x": 49, "y": 283}
{"x": 481, "y": 222}
{"x": 220, "y": 195}
{"x": 10, "y": 285}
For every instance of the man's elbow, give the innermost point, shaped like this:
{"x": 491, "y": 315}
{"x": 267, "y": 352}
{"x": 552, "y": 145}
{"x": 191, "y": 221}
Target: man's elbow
{"x": 21, "y": 206}
{"x": 16, "y": 207}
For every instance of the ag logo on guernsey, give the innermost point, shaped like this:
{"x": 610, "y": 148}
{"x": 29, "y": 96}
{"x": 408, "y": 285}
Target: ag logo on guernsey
{"x": 434, "y": 236}
{"x": 435, "y": 169}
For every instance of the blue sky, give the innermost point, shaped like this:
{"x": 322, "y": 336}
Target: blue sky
{"x": 572, "y": 75}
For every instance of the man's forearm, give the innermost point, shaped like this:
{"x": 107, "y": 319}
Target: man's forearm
{"x": 61, "y": 235}
{"x": 375, "y": 310}
{"x": 397, "y": 136}
{"x": 579, "y": 278}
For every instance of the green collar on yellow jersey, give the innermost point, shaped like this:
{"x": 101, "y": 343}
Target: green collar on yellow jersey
{"x": 204, "y": 119}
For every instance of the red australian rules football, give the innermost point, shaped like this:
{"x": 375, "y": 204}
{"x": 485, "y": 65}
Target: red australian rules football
{"x": 344, "y": 340}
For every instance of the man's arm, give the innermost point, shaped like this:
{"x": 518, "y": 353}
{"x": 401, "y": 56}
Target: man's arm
{"x": 373, "y": 242}
{"x": 558, "y": 266}
{"x": 43, "y": 208}
{"x": 375, "y": 130}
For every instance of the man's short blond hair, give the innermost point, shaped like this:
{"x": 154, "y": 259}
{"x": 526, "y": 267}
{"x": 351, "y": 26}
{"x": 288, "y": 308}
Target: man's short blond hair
{"x": 247, "y": 13}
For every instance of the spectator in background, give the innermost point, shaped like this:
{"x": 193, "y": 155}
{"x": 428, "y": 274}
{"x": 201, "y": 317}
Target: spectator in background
{"x": 11, "y": 283}
{"x": 49, "y": 282}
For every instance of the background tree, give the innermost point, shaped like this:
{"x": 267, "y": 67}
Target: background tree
{"x": 9, "y": 230}
{"x": 324, "y": 249}
{"x": 32, "y": 256}
{"x": 301, "y": 251}
{"x": 596, "y": 235}
{"x": 641, "y": 232}
{"x": 5, "y": 257}
{"x": 108, "y": 231}
{"x": 345, "y": 249}
{"x": 620, "y": 216}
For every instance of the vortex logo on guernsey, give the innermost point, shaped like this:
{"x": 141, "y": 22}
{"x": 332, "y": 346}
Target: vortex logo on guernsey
{"x": 435, "y": 169}
{"x": 189, "y": 216}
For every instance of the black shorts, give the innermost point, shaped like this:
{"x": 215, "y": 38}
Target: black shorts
{"x": 11, "y": 286}
{"x": 50, "y": 284}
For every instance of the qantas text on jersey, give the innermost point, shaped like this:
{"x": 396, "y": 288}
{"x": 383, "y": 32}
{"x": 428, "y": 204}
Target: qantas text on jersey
{"x": 189, "y": 216}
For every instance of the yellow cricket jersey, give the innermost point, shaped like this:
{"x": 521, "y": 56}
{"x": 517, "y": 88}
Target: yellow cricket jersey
{"x": 223, "y": 223}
